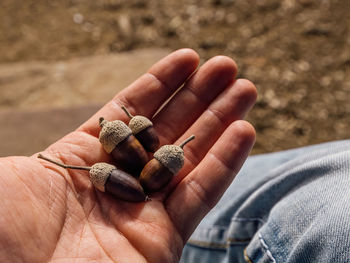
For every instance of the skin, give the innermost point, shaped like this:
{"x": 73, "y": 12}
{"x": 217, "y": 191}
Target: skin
{"x": 52, "y": 214}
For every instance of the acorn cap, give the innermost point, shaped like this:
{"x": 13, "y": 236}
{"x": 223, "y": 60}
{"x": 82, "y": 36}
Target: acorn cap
{"x": 99, "y": 174}
{"x": 139, "y": 123}
{"x": 112, "y": 133}
{"x": 171, "y": 156}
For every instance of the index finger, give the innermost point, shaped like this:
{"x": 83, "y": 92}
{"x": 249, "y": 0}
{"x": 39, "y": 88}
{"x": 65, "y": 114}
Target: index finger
{"x": 150, "y": 91}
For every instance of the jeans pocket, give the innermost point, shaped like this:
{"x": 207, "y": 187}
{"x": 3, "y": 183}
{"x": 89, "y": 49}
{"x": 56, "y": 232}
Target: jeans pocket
{"x": 240, "y": 234}
{"x": 258, "y": 251}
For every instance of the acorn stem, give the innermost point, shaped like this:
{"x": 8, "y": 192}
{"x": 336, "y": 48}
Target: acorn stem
{"x": 186, "y": 141}
{"x": 127, "y": 112}
{"x": 101, "y": 121}
{"x": 64, "y": 165}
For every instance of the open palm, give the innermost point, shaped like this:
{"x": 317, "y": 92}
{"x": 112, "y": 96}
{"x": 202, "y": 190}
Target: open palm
{"x": 52, "y": 214}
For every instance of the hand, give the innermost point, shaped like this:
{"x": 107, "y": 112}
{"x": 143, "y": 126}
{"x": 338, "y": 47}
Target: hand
{"x": 49, "y": 213}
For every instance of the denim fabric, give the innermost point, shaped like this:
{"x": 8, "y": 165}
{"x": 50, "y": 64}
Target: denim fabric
{"x": 291, "y": 206}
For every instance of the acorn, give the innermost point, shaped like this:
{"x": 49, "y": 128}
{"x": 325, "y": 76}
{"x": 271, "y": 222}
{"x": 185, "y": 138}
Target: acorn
{"x": 167, "y": 162}
{"x": 117, "y": 138}
{"x": 107, "y": 178}
{"x": 143, "y": 130}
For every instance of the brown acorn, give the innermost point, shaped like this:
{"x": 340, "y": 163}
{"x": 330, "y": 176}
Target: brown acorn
{"x": 117, "y": 139}
{"x": 143, "y": 130}
{"x": 107, "y": 178}
{"x": 167, "y": 162}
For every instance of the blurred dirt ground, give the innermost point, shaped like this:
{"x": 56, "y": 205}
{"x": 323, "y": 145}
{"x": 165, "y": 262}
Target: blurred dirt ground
{"x": 295, "y": 51}
{"x": 41, "y": 101}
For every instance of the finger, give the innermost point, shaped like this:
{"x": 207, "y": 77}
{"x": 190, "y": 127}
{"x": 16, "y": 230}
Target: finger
{"x": 150, "y": 91}
{"x": 189, "y": 103}
{"x": 199, "y": 191}
{"x": 231, "y": 105}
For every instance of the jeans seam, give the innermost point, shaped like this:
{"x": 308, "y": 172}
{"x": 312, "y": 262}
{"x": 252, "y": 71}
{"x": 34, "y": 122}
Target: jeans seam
{"x": 246, "y": 257}
{"x": 265, "y": 246}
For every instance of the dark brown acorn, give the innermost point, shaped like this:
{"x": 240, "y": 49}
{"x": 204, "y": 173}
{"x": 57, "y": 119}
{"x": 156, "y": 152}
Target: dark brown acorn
{"x": 167, "y": 162}
{"x": 117, "y": 138}
{"x": 107, "y": 178}
{"x": 143, "y": 130}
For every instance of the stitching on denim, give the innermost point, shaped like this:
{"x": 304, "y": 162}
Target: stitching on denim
{"x": 240, "y": 219}
{"x": 236, "y": 242}
{"x": 246, "y": 257}
{"x": 264, "y": 245}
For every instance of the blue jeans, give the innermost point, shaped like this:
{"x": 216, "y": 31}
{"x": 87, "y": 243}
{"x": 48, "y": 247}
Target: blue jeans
{"x": 291, "y": 206}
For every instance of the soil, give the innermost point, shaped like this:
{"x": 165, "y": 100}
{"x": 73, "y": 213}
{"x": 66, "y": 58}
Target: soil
{"x": 295, "y": 51}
